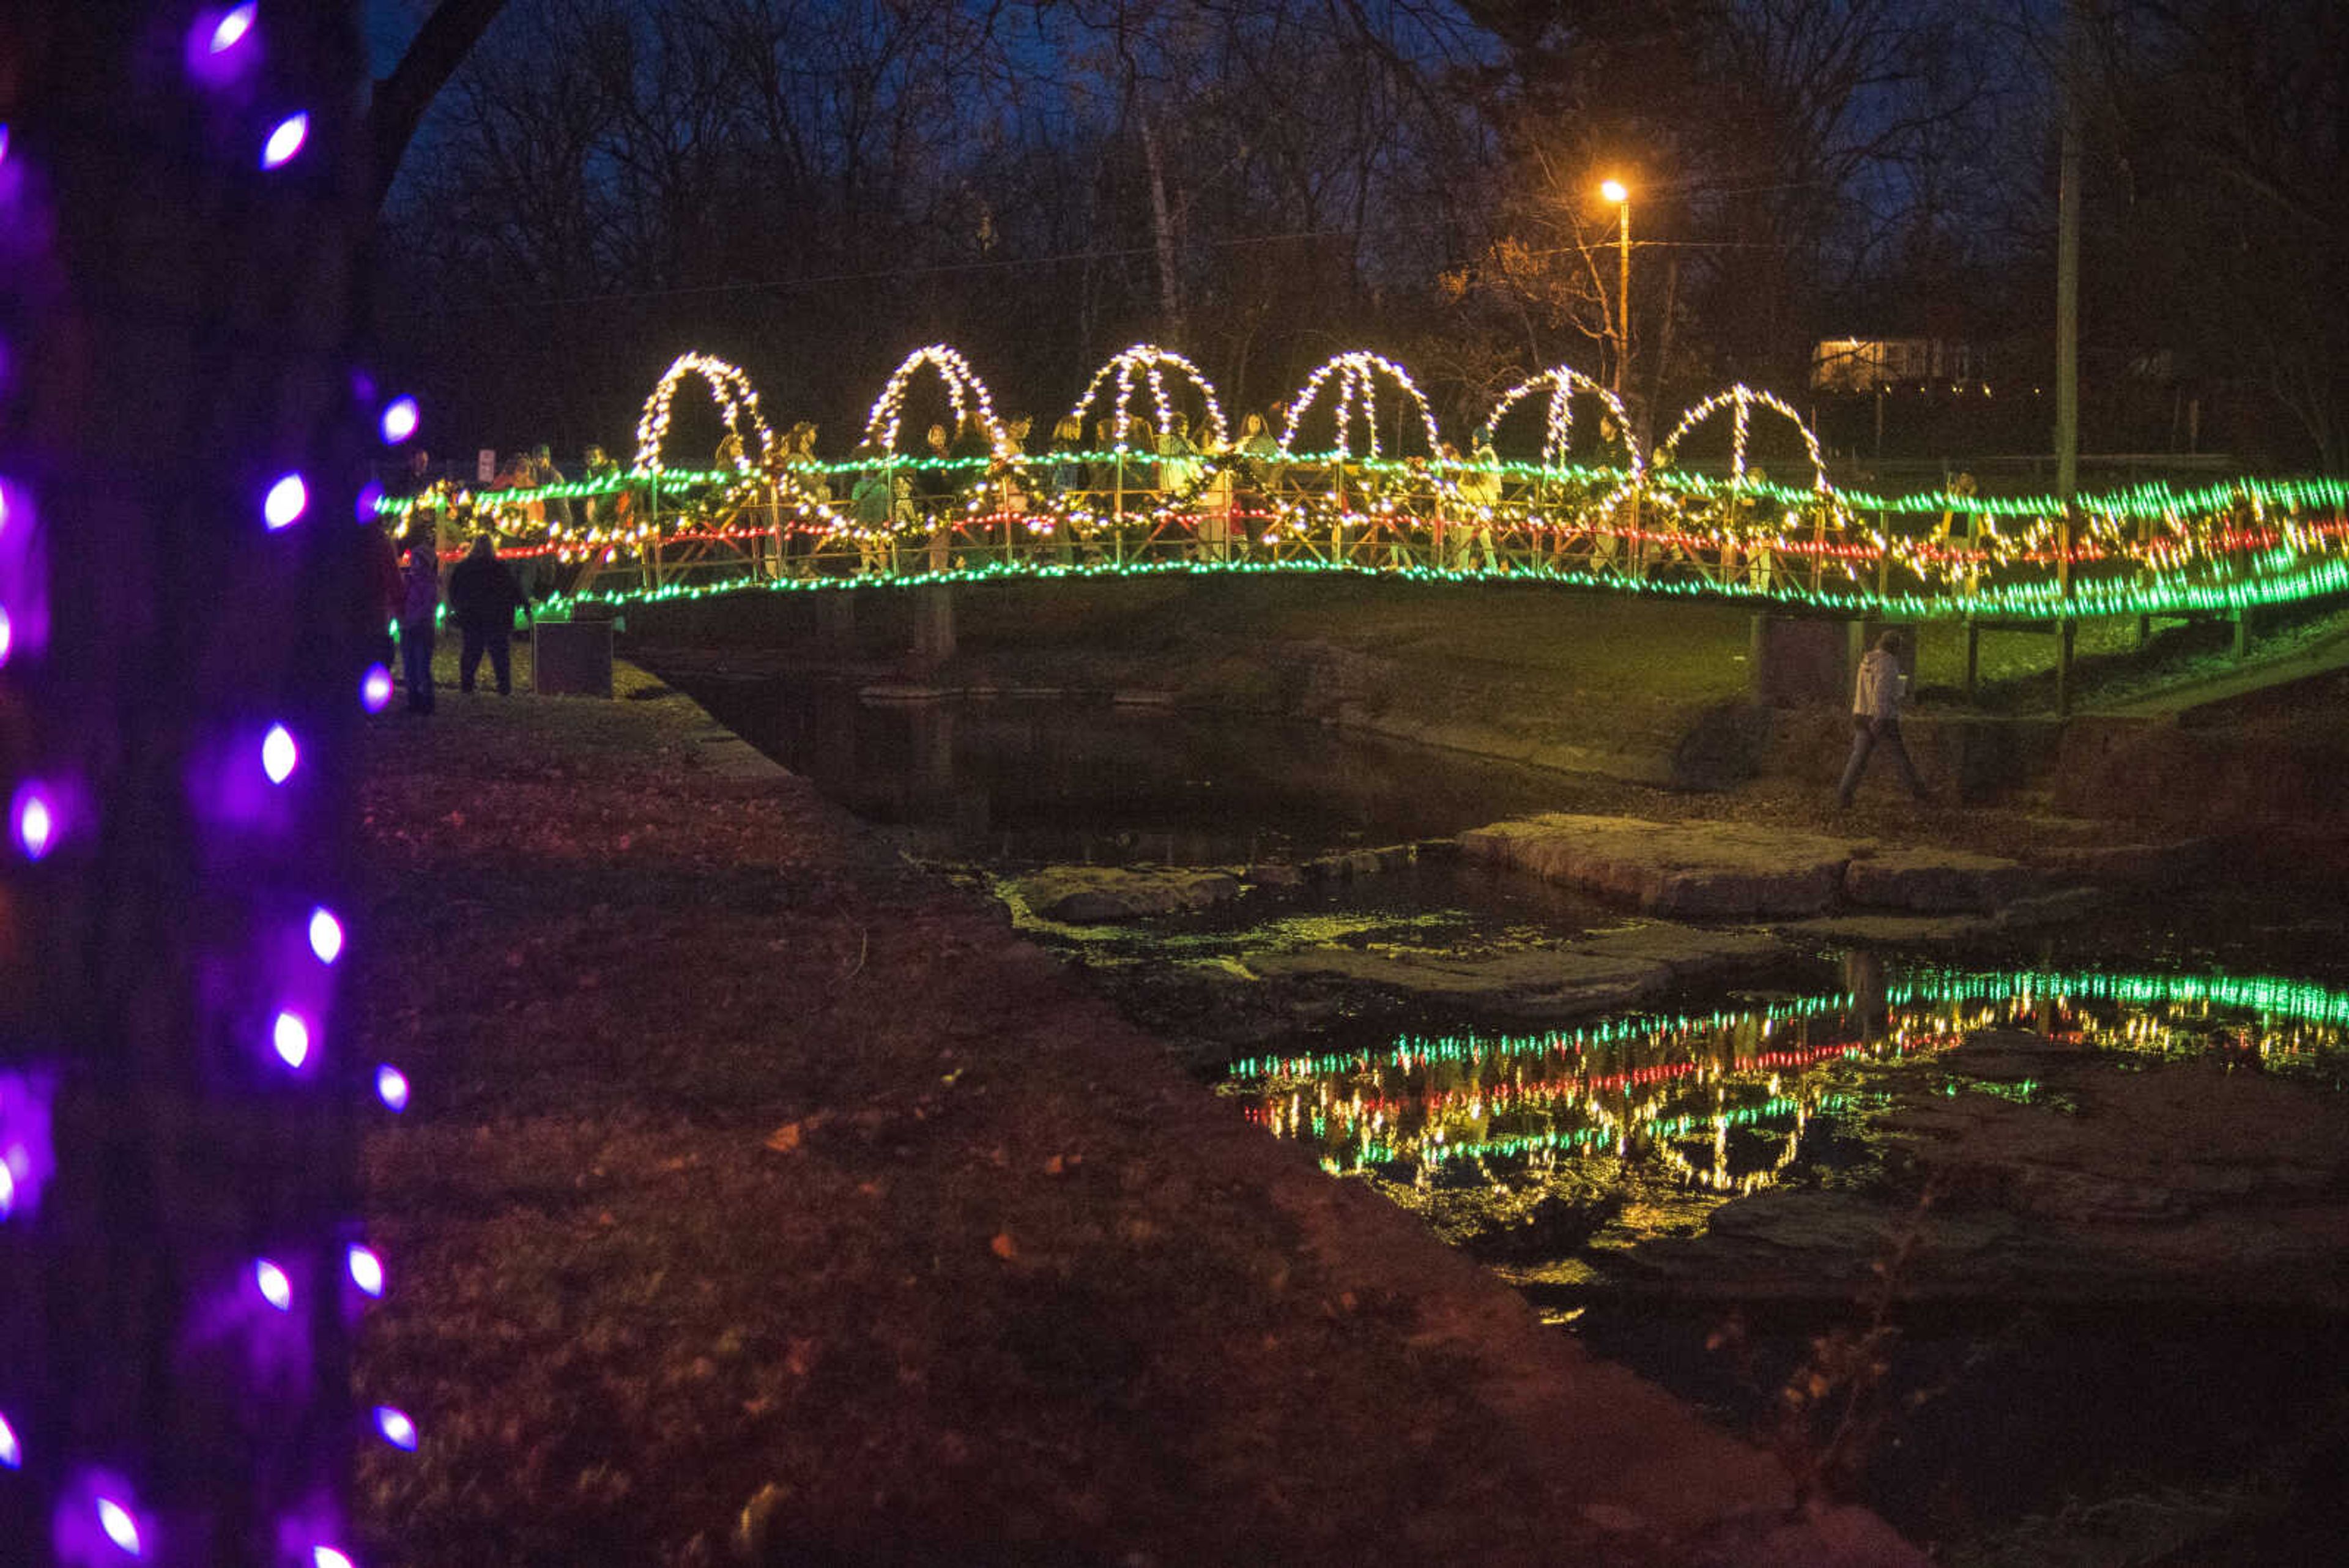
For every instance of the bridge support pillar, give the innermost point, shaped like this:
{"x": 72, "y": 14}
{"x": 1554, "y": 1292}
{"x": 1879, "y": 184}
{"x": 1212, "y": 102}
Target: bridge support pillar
{"x": 1791, "y": 660}
{"x": 835, "y": 622}
{"x": 934, "y": 627}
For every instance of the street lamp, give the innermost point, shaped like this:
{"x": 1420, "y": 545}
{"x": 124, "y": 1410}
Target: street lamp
{"x": 1618, "y": 193}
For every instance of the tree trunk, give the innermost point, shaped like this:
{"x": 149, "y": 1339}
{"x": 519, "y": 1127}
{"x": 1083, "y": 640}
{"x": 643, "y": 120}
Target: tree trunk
{"x": 176, "y": 326}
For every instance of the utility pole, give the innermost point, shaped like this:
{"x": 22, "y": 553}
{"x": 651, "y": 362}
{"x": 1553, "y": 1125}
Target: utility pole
{"x": 2067, "y": 347}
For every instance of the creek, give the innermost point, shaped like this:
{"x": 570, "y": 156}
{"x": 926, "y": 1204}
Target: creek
{"x": 2083, "y": 1388}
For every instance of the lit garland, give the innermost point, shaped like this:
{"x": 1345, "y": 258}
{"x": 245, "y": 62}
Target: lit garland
{"x": 964, "y": 391}
{"x": 1153, "y": 361}
{"x": 1358, "y": 374}
{"x": 1557, "y": 422}
{"x": 738, "y": 402}
{"x": 1673, "y": 1090}
{"x": 1645, "y": 527}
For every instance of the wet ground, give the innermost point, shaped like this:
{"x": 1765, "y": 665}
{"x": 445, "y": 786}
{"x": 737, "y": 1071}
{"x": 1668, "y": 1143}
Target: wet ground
{"x": 2019, "y": 1431}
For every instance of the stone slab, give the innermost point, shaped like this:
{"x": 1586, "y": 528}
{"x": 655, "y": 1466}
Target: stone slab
{"x": 1610, "y": 970}
{"x": 1935, "y": 881}
{"x": 1686, "y": 870}
{"x": 1090, "y": 895}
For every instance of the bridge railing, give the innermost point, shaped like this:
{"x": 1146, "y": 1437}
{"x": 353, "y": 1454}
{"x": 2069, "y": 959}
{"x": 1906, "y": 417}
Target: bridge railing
{"x": 2151, "y": 548}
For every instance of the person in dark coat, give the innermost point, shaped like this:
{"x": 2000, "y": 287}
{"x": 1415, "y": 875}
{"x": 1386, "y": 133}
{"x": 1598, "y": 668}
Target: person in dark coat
{"x": 419, "y": 609}
{"x": 483, "y": 599}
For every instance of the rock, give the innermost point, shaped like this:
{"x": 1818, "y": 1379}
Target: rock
{"x": 1614, "y": 969}
{"x": 1935, "y": 881}
{"x": 1700, "y": 870}
{"x": 1083, "y": 894}
{"x": 2056, "y": 909}
{"x": 1536, "y": 986}
{"x": 1275, "y": 874}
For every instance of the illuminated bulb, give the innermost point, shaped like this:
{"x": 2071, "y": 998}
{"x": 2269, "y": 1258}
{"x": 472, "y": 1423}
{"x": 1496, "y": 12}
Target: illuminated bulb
{"x": 327, "y": 1557}
{"x": 391, "y": 1086}
{"x": 369, "y": 497}
{"x": 3, "y": 143}
{"x": 291, "y": 1037}
{"x": 399, "y": 421}
{"x": 279, "y": 754}
{"x": 275, "y": 1288}
{"x": 11, "y": 1456}
{"x": 6, "y": 637}
{"x": 287, "y": 500}
{"x": 232, "y": 30}
{"x": 285, "y": 141}
{"x": 325, "y": 935}
{"x": 367, "y": 1270}
{"x": 36, "y": 824}
{"x": 7, "y": 1190}
{"x": 396, "y": 1428}
{"x": 120, "y": 1526}
{"x": 375, "y": 689}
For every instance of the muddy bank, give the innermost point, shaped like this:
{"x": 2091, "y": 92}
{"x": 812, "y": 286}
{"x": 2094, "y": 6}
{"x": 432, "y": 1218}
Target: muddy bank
{"x": 761, "y": 1192}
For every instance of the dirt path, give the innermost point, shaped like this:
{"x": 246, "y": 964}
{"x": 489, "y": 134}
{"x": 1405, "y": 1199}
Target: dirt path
{"x": 757, "y": 1184}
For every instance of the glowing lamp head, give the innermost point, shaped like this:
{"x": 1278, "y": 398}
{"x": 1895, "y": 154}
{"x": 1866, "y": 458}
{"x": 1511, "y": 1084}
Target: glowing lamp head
{"x": 375, "y": 689}
{"x": 33, "y": 822}
{"x": 290, "y": 1037}
{"x": 325, "y": 935}
{"x": 396, "y": 1428}
{"x": 122, "y": 1526}
{"x": 287, "y": 501}
{"x": 399, "y": 421}
{"x": 391, "y": 1086}
{"x": 1615, "y": 191}
{"x": 279, "y": 754}
{"x": 367, "y": 1270}
{"x": 285, "y": 141}
{"x": 6, "y": 637}
{"x": 327, "y": 1557}
{"x": 275, "y": 1287}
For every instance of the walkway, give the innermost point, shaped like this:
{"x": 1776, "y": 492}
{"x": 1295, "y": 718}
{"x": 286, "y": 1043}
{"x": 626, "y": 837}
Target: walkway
{"x": 758, "y": 1181}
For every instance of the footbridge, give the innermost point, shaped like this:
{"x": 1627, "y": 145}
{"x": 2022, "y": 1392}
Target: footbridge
{"x": 1147, "y": 475}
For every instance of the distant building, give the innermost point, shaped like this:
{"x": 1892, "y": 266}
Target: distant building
{"x": 1864, "y": 364}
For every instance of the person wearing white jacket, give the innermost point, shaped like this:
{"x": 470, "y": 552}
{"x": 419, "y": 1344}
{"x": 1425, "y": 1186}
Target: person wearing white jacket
{"x": 1875, "y": 717}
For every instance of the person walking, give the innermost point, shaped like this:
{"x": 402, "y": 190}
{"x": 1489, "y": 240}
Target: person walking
{"x": 483, "y": 599}
{"x": 418, "y": 610}
{"x": 1875, "y": 717}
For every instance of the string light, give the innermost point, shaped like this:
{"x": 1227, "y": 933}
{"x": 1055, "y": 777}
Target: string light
{"x": 275, "y": 1287}
{"x": 284, "y": 143}
{"x": 279, "y": 754}
{"x": 232, "y": 29}
{"x": 33, "y": 820}
{"x": 122, "y": 1526}
{"x": 365, "y": 1269}
{"x": 375, "y": 689}
{"x": 399, "y": 421}
{"x": 287, "y": 501}
{"x": 325, "y": 935}
{"x": 289, "y": 1036}
{"x": 391, "y": 1086}
{"x": 12, "y": 1453}
{"x": 396, "y": 1428}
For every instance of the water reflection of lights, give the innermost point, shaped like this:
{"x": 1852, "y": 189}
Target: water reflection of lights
{"x": 1722, "y": 1101}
